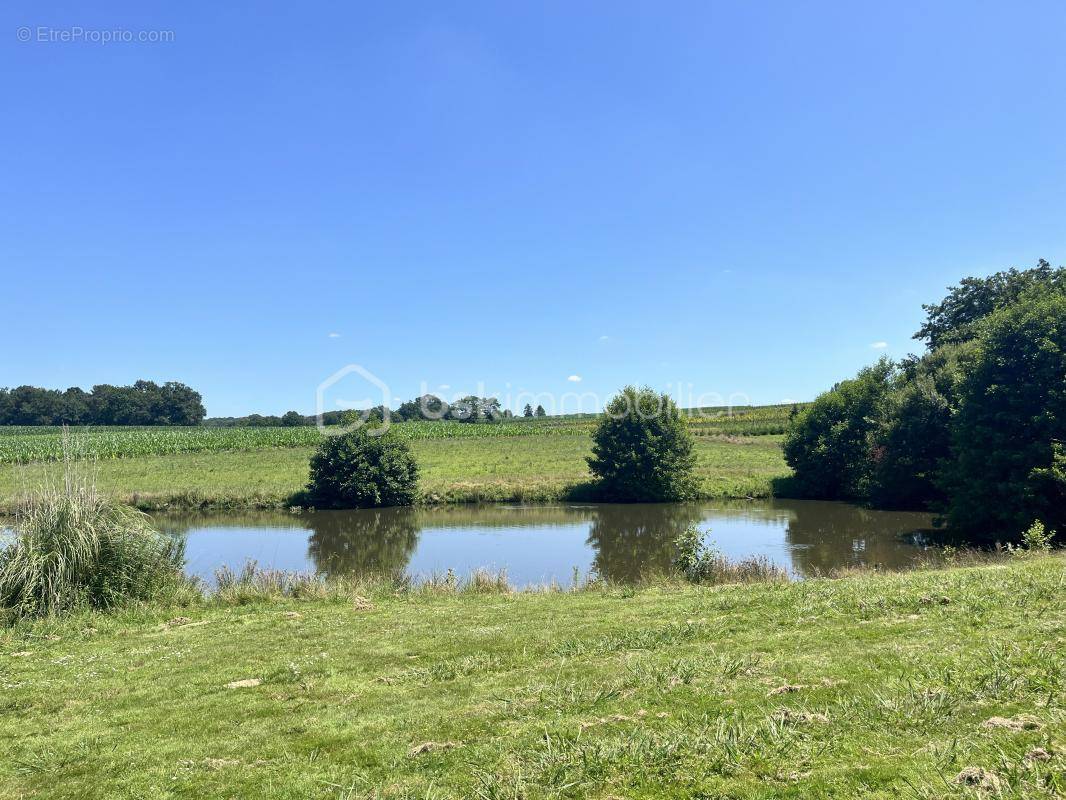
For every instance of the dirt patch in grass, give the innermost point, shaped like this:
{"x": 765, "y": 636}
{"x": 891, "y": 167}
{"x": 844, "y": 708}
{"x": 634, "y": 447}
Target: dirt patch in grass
{"x": 210, "y": 763}
{"x": 978, "y": 778}
{"x": 182, "y": 622}
{"x": 613, "y": 718}
{"x": 1038, "y": 754}
{"x": 1025, "y": 722}
{"x": 788, "y": 688}
{"x": 247, "y": 683}
{"x": 787, "y": 715}
{"x": 431, "y": 747}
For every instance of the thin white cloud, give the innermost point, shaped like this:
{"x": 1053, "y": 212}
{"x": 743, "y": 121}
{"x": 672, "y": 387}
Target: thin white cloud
{"x": 879, "y": 345}
{"x": 334, "y": 336}
{"x": 605, "y": 338}
{"x": 574, "y": 378}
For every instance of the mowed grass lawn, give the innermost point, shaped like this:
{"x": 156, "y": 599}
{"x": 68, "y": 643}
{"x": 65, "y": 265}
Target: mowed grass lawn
{"x": 922, "y": 685}
{"x": 453, "y": 470}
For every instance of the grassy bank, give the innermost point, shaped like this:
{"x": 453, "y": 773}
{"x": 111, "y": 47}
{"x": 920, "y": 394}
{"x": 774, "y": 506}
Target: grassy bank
{"x": 870, "y": 686}
{"x": 453, "y": 470}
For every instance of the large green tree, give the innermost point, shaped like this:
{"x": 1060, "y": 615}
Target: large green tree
{"x": 428, "y": 406}
{"x": 955, "y": 318}
{"x": 1008, "y": 436}
{"x": 642, "y": 450}
{"x": 828, "y": 443}
{"x": 911, "y": 440}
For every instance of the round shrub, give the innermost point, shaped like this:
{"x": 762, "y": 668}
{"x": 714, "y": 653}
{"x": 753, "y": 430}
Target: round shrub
{"x": 642, "y": 451}
{"x": 357, "y": 470}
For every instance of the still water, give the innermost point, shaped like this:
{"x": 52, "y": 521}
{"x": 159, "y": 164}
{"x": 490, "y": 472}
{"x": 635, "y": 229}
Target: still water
{"x": 540, "y": 543}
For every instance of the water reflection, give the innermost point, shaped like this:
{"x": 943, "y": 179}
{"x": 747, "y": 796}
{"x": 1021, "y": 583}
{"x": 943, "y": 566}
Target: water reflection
{"x": 827, "y": 536}
{"x": 631, "y": 541}
{"x": 540, "y": 543}
{"x": 382, "y": 543}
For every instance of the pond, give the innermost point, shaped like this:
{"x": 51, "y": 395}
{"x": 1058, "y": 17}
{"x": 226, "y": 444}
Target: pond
{"x": 537, "y": 544}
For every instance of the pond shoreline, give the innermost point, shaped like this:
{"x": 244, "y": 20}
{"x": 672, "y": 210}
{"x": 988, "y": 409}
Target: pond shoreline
{"x": 457, "y": 495}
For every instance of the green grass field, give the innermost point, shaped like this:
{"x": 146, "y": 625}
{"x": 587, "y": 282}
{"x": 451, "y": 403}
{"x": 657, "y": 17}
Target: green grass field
{"x": 23, "y": 445}
{"x": 932, "y": 684}
{"x": 469, "y": 468}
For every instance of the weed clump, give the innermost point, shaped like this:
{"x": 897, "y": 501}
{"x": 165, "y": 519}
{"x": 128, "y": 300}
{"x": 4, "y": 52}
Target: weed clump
{"x": 1037, "y": 538}
{"x": 698, "y": 563}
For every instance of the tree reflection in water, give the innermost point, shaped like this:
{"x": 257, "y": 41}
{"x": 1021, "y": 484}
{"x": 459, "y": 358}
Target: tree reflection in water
{"x": 828, "y": 536}
{"x": 384, "y": 540}
{"x": 635, "y": 541}
{"x": 373, "y": 542}
{"x": 627, "y": 542}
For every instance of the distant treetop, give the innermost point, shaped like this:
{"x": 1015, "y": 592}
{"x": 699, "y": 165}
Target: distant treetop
{"x": 953, "y": 318}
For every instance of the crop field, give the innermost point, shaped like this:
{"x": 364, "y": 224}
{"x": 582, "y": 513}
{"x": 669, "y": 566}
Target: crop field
{"x": 19, "y": 445}
{"x": 517, "y": 460}
{"x": 25, "y": 445}
{"x": 511, "y": 469}
{"x": 742, "y": 421}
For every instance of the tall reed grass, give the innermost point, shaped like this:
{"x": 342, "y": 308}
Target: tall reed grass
{"x": 697, "y": 562}
{"x": 77, "y": 548}
{"x": 253, "y": 583}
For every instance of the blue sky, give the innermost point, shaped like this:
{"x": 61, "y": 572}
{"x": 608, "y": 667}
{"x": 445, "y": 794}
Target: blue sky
{"x": 737, "y": 197}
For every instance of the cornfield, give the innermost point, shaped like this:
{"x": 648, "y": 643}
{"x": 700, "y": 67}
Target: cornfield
{"x": 22, "y": 445}
{"x": 741, "y": 420}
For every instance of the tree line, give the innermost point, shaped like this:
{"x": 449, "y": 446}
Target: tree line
{"x": 174, "y": 403}
{"x": 428, "y": 407}
{"x": 143, "y": 403}
{"x": 974, "y": 428}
